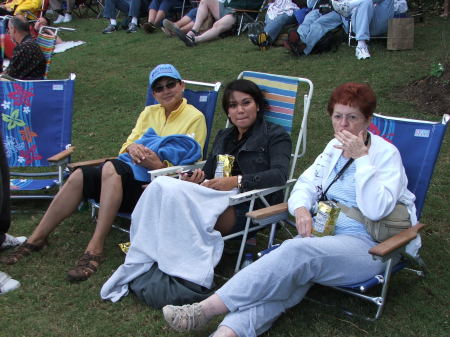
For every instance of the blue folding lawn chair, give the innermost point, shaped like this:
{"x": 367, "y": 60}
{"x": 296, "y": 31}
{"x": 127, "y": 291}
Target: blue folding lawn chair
{"x": 419, "y": 143}
{"x": 36, "y": 127}
{"x": 204, "y": 99}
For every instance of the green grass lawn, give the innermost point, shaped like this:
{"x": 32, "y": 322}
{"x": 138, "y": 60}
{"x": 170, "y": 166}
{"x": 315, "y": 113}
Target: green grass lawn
{"x": 112, "y": 73}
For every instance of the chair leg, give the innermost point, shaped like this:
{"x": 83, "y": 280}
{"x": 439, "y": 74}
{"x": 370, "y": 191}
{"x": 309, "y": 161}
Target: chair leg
{"x": 244, "y": 238}
{"x": 384, "y": 290}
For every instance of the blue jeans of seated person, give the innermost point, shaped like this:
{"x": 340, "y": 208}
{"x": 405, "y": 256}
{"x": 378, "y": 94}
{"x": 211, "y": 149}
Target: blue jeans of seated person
{"x": 315, "y": 26}
{"x": 260, "y": 293}
{"x": 133, "y": 8}
{"x": 369, "y": 19}
{"x": 274, "y": 27}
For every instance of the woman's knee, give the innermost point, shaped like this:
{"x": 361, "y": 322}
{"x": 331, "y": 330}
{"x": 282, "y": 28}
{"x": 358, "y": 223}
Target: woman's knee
{"x": 109, "y": 171}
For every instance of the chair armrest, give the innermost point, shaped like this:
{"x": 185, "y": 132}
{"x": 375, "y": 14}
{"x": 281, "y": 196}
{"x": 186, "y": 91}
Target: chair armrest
{"x": 62, "y": 155}
{"x": 399, "y": 240}
{"x": 268, "y": 211}
{"x": 94, "y": 162}
{"x": 247, "y": 196}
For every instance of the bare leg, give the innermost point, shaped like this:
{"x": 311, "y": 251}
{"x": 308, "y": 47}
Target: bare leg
{"x": 226, "y": 221}
{"x": 160, "y": 15}
{"x": 187, "y": 27}
{"x": 110, "y": 199}
{"x": 224, "y": 331}
{"x": 151, "y": 15}
{"x": 220, "y": 26}
{"x": 206, "y": 7}
{"x": 64, "y": 203}
{"x": 213, "y": 306}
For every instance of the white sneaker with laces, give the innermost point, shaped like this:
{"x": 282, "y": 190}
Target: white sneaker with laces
{"x": 67, "y": 18}
{"x": 7, "y": 283}
{"x": 59, "y": 19}
{"x": 11, "y": 241}
{"x": 362, "y": 53}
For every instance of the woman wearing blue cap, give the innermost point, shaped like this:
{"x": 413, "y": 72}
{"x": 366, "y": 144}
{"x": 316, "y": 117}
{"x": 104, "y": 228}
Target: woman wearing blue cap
{"x": 113, "y": 184}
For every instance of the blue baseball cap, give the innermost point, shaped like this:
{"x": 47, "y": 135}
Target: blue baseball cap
{"x": 164, "y": 70}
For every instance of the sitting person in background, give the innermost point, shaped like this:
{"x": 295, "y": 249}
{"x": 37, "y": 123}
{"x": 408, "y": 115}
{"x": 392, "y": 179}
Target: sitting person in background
{"x": 16, "y": 7}
{"x": 185, "y": 24}
{"x": 279, "y": 14}
{"x": 34, "y": 32}
{"x": 64, "y": 15}
{"x": 222, "y": 12}
{"x": 28, "y": 61}
{"x": 114, "y": 183}
{"x": 134, "y": 9}
{"x": 318, "y": 22}
{"x": 356, "y": 169}
{"x": 157, "y": 11}
{"x": 177, "y": 225}
{"x": 368, "y": 17}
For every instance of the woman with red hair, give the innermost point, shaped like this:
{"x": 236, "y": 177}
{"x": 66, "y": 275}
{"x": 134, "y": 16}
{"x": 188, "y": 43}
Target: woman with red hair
{"x": 356, "y": 170}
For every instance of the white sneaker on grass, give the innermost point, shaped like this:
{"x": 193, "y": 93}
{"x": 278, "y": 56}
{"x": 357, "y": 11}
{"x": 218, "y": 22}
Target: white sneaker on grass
{"x": 59, "y": 19}
{"x": 67, "y": 18}
{"x": 11, "y": 241}
{"x": 362, "y": 53}
{"x": 7, "y": 283}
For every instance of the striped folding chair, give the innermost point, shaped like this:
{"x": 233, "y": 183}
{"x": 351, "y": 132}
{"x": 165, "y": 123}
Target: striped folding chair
{"x": 47, "y": 44}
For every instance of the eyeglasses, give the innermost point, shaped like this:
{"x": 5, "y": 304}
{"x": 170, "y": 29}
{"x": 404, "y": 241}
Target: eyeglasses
{"x": 351, "y": 118}
{"x": 169, "y": 85}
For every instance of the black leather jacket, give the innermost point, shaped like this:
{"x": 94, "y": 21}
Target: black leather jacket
{"x": 263, "y": 159}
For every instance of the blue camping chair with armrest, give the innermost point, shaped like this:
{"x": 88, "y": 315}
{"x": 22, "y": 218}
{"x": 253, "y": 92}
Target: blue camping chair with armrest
{"x": 419, "y": 143}
{"x": 204, "y": 99}
{"x": 36, "y": 127}
{"x": 281, "y": 93}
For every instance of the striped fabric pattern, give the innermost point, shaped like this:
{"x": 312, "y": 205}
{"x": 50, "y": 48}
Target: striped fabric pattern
{"x": 280, "y": 93}
{"x": 47, "y": 44}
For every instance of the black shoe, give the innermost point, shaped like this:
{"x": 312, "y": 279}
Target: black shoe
{"x": 132, "y": 28}
{"x": 294, "y": 43}
{"x": 110, "y": 29}
{"x": 149, "y": 27}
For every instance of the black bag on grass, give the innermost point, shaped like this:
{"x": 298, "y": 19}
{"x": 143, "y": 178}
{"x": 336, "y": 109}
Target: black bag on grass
{"x": 330, "y": 41}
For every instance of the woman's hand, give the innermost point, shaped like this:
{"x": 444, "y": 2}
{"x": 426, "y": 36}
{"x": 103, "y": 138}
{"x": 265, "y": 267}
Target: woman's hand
{"x": 222, "y": 184}
{"x": 353, "y": 146}
{"x": 303, "y": 221}
{"x": 145, "y": 157}
{"x": 197, "y": 176}
{"x": 137, "y": 152}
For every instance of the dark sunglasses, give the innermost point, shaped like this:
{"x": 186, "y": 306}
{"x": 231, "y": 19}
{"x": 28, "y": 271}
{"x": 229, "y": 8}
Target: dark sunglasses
{"x": 169, "y": 85}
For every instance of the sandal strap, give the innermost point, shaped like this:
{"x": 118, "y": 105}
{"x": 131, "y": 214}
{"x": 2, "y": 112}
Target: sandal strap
{"x": 195, "y": 32}
{"x": 22, "y": 251}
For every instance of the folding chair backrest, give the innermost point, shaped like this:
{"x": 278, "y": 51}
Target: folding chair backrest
{"x": 203, "y": 100}
{"x": 47, "y": 44}
{"x": 281, "y": 93}
{"x": 36, "y": 120}
{"x": 419, "y": 143}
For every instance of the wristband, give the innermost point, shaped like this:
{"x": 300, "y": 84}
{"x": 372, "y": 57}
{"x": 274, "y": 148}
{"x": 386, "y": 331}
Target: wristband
{"x": 239, "y": 181}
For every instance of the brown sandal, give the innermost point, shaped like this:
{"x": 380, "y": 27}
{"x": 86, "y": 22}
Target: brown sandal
{"x": 22, "y": 251}
{"x": 84, "y": 268}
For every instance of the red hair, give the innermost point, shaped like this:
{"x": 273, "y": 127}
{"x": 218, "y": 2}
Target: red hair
{"x": 357, "y": 95}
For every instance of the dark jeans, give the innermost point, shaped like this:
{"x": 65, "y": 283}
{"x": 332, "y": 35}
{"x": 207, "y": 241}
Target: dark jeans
{"x": 134, "y": 8}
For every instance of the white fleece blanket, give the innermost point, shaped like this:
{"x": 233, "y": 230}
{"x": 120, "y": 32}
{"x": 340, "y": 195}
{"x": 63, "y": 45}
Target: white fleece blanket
{"x": 172, "y": 224}
{"x": 62, "y": 47}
